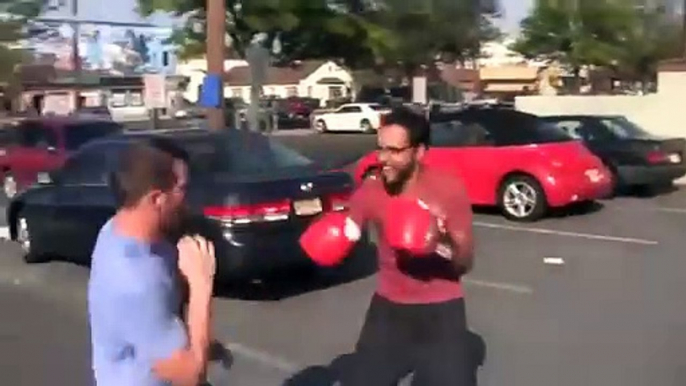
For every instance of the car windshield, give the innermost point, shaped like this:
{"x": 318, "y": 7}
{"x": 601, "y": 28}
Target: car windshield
{"x": 624, "y": 128}
{"x": 78, "y": 134}
{"x": 245, "y": 155}
{"x": 377, "y": 107}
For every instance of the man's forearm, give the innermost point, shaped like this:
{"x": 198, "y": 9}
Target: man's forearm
{"x": 199, "y": 322}
{"x": 186, "y": 367}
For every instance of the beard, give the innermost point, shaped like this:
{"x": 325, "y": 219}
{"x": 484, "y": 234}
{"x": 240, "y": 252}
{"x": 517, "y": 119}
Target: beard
{"x": 175, "y": 223}
{"x": 396, "y": 186}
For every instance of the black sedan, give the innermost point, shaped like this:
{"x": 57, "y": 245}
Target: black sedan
{"x": 249, "y": 194}
{"x": 636, "y": 157}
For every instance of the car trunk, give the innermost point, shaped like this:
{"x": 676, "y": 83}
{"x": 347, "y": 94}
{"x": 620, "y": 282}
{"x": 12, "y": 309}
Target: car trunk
{"x": 658, "y": 151}
{"x": 278, "y": 198}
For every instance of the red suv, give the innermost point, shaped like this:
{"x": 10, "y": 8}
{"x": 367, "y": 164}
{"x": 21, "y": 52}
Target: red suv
{"x": 35, "y": 146}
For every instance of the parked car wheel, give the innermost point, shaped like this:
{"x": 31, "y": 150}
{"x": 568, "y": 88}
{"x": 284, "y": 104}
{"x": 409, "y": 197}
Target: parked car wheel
{"x": 24, "y": 238}
{"x": 616, "y": 182}
{"x": 320, "y": 126}
{"x": 521, "y": 198}
{"x": 366, "y": 126}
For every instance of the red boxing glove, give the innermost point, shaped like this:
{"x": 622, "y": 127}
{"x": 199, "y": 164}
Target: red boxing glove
{"x": 329, "y": 239}
{"x": 410, "y": 226}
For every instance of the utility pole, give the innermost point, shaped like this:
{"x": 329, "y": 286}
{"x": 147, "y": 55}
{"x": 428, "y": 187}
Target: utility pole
{"x": 683, "y": 29}
{"x": 216, "y": 31}
{"x": 76, "y": 57}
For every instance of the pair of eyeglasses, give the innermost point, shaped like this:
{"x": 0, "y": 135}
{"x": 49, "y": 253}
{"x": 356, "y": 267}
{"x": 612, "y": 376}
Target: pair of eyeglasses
{"x": 392, "y": 149}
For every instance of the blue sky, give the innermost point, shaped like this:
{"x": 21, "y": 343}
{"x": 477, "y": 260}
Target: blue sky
{"x": 124, "y": 11}
{"x": 515, "y": 11}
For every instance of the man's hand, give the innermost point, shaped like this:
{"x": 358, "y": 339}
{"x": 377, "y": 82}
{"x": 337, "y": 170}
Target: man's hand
{"x": 197, "y": 261}
{"x": 180, "y": 369}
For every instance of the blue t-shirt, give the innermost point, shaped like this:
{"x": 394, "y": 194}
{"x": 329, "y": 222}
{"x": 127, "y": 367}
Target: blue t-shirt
{"x": 134, "y": 303}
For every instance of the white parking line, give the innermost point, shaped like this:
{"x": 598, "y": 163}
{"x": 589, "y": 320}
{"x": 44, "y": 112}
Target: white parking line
{"x": 589, "y": 236}
{"x": 263, "y": 357}
{"x": 672, "y": 210}
{"x": 516, "y": 288}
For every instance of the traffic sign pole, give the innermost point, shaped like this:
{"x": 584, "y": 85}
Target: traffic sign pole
{"x": 216, "y": 30}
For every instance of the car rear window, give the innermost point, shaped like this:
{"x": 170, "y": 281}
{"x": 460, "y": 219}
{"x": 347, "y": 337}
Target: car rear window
{"x": 78, "y": 134}
{"x": 513, "y": 128}
{"x": 248, "y": 155}
{"x": 624, "y": 128}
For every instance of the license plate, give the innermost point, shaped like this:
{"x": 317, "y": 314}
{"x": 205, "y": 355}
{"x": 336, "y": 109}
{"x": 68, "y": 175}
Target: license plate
{"x": 307, "y": 207}
{"x": 43, "y": 178}
{"x": 675, "y": 158}
{"x": 594, "y": 175}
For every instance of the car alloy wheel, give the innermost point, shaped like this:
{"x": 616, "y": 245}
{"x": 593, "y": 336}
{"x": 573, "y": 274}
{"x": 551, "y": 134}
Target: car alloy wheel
{"x": 24, "y": 239}
{"x": 522, "y": 199}
{"x": 23, "y": 235}
{"x": 366, "y": 127}
{"x": 9, "y": 186}
{"x": 320, "y": 126}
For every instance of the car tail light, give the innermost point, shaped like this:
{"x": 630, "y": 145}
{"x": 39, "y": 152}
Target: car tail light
{"x": 245, "y": 214}
{"x": 338, "y": 201}
{"x": 656, "y": 157}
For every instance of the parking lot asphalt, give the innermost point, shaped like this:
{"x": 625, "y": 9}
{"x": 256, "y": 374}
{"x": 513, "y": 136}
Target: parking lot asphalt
{"x": 606, "y": 309}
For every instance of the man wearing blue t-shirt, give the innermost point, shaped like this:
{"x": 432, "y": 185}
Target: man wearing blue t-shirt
{"x": 138, "y": 337}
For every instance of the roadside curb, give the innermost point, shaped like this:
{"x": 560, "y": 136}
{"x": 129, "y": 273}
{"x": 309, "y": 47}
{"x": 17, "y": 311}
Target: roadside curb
{"x": 293, "y": 132}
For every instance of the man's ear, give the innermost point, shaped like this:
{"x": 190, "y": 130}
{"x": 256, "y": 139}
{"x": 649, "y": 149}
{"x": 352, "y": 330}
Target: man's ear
{"x": 421, "y": 150}
{"x": 155, "y": 197}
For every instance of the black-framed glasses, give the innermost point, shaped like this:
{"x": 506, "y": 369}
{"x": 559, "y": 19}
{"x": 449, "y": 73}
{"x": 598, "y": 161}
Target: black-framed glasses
{"x": 392, "y": 149}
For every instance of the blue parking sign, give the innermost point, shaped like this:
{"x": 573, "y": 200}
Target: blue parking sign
{"x": 211, "y": 92}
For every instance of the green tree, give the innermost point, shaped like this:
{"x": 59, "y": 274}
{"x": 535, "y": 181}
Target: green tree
{"x": 361, "y": 33}
{"x": 427, "y": 30}
{"x": 306, "y": 29}
{"x": 13, "y": 17}
{"x": 655, "y": 38}
{"x": 579, "y": 33}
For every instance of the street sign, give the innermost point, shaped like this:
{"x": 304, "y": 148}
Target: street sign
{"x": 155, "y": 91}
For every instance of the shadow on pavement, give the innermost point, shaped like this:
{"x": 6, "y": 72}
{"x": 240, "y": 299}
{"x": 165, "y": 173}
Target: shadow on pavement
{"x": 580, "y": 209}
{"x": 647, "y": 191}
{"x": 331, "y": 374}
{"x": 288, "y": 283}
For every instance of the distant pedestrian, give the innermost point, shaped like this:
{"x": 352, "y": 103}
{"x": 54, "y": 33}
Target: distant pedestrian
{"x": 138, "y": 337}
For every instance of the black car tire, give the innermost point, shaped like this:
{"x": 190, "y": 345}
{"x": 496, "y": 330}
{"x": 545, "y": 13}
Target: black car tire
{"x": 320, "y": 126}
{"x": 617, "y": 184}
{"x": 24, "y": 238}
{"x": 366, "y": 126}
{"x": 527, "y": 185}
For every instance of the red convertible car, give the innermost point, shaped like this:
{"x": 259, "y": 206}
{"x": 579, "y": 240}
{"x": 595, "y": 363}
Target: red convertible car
{"x": 511, "y": 160}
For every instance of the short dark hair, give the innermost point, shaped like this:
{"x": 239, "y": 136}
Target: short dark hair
{"x": 417, "y": 125}
{"x": 145, "y": 165}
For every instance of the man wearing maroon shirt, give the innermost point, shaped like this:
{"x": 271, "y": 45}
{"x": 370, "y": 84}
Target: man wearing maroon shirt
{"x": 416, "y": 320}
